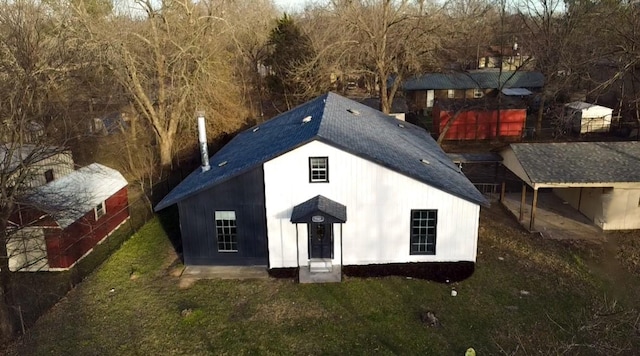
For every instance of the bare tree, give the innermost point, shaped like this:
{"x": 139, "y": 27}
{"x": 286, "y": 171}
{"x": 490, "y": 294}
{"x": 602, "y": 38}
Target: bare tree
{"x": 394, "y": 39}
{"x": 35, "y": 63}
{"x": 171, "y": 62}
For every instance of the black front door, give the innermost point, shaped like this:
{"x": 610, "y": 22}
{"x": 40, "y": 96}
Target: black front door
{"x": 320, "y": 241}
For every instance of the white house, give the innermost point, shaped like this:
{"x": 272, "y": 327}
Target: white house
{"x": 330, "y": 183}
{"x": 38, "y": 164}
{"x": 584, "y": 117}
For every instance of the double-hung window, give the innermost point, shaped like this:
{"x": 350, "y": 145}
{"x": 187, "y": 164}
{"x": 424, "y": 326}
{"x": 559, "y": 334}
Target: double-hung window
{"x": 423, "y": 232}
{"x": 226, "y": 231}
{"x": 318, "y": 169}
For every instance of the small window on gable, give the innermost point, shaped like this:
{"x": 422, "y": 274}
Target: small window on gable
{"x": 100, "y": 210}
{"x": 451, "y": 93}
{"x": 48, "y": 175}
{"x": 318, "y": 169}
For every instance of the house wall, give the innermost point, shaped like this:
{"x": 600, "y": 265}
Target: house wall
{"x": 61, "y": 164}
{"x": 480, "y": 124}
{"x": 608, "y": 208}
{"x": 243, "y": 194}
{"x": 512, "y": 163}
{"x": 621, "y": 209}
{"x": 66, "y": 247}
{"x": 588, "y": 201}
{"x": 379, "y": 202}
{"x": 27, "y": 250}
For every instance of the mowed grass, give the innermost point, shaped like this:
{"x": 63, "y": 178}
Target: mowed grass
{"x": 527, "y": 296}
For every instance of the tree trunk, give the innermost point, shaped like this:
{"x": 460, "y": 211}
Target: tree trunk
{"x": 165, "y": 148}
{"x": 540, "y": 115}
{"x": 448, "y": 126}
{"x": 7, "y": 325}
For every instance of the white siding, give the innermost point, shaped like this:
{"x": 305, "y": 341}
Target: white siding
{"x": 622, "y": 209}
{"x": 61, "y": 164}
{"x": 608, "y": 208}
{"x": 27, "y": 250}
{"x": 379, "y": 203}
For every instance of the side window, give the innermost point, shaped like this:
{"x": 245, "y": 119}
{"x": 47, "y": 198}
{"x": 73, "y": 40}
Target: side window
{"x": 48, "y": 175}
{"x": 100, "y": 210}
{"x": 318, "y": 169}
{"x": 423, "y": 232}
{"x": 226, "y": 231}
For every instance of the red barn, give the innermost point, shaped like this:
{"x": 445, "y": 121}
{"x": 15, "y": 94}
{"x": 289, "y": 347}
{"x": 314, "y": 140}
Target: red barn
{"x": 479, "y": 123}
{"x": 67, "y": 218}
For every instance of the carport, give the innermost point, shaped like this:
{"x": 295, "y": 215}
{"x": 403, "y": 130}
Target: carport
{"x": 599, "y": 181}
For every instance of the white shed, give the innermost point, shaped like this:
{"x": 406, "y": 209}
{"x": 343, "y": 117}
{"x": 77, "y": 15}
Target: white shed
{"x": 585, "y": 117}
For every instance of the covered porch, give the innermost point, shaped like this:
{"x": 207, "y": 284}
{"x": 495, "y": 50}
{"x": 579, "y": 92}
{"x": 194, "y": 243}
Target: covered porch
{"x": 543, "y": 212}
{"x": 319, "y": 239}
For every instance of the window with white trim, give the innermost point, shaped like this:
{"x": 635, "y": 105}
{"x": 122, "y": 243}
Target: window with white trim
{"x": 423, "y": 232}
{"x": 318, "y": 169}
{"x": 100, "y": 210}
{"x": 451, "y": 93}
{"x": 477, "y": 93}
{"x": 226, "y": 231}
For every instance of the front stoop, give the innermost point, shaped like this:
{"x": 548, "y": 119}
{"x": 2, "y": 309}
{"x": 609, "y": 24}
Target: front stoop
{"x": 333, "y": 275}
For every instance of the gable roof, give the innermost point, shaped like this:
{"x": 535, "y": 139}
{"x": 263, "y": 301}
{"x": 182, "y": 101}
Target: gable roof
{"x": 319, "y": 204}
{"x": 475, "y": 80}
{"x": 342, "y": 123}
{"x": 580, "y": 162}
{"x": 69, "y": 198}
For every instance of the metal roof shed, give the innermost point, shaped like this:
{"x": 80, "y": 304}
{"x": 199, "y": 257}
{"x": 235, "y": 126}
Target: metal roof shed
{"x": 585, "y": 117}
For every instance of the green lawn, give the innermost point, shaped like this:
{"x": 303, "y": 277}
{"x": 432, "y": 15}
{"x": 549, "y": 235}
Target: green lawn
{"x": 574, "y": 306}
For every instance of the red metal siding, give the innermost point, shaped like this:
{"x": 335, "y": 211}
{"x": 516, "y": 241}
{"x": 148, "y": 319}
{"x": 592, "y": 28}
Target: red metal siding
{"x": 480, "y": 124}
{"x": 65, "y": 247}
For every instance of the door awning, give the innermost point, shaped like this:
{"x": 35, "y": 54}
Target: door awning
{"x": 319, "y": 209}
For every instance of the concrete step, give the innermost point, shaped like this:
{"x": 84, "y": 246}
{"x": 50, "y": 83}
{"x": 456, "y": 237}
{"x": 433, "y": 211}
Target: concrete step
{"x": 320, "y": 266}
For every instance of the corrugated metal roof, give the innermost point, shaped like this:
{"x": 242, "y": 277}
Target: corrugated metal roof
{"x": 516, "y": 91}
{"x": 343, "y": 123}
{"x": 580, "y": 162}
{"x": 69, "y": 198}
{"x": 475, "y": 80}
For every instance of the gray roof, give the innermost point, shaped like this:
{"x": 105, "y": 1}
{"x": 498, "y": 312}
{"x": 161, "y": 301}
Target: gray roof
{"x": 580, "y": 162}
{"x": 475, "y": 80}
{"x": 342, "y": 123}
{"x": 319, "y": 204}
{"x": 69, "y": 198}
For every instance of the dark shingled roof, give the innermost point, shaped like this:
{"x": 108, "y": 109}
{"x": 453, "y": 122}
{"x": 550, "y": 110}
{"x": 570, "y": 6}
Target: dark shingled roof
{"x": 580, "y": 162}
{"x": 319, "y": 204}
{"x": 342, "y": 123}
{"x": 475, "y": 80}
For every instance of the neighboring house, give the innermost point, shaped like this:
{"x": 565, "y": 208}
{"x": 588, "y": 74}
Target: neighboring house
{"x": 329, "y": 183}
{"x": 584, "y": 118}
{"x": 599, "y": 179}
{"x": 422, "y": 92}
{"x": 44, "y": 164}
{"x": 510, "y": 57}
{"x": 60, "y": 222}
{"x": 108, "y": 124}
{"x": 478, "y": 122}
